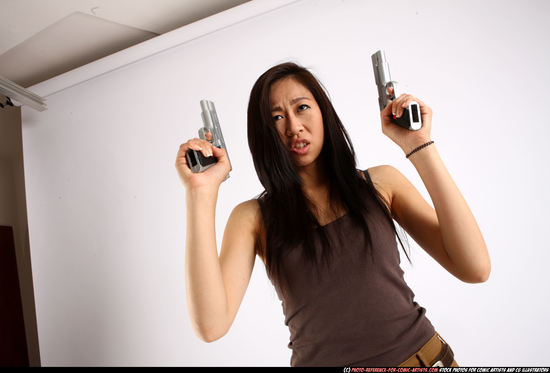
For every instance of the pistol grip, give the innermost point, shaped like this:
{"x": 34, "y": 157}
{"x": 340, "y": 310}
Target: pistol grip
{"x": 198, "y": 162}
{"x": 411, "y": 118}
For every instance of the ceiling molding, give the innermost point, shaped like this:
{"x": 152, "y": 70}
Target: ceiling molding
{"x": 69, "y": 43}
{"x": 43, "y": 39}
{"x": 159, "y": 44}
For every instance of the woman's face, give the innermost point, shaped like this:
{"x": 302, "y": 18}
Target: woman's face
{"x": 298, "y": 120}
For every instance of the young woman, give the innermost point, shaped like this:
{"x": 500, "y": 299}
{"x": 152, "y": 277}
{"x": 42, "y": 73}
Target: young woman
{"x": 325, "y": 231}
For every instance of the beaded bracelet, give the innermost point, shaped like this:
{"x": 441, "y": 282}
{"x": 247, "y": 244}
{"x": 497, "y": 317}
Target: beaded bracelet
{"x": 420, "y": 147}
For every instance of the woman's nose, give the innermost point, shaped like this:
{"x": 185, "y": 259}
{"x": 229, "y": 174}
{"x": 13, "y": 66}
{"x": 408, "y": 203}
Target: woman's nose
{"x": 294, "y": 126}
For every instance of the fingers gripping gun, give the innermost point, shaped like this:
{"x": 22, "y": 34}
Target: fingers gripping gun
{"x": 196, "y": 161}
{"x": 388, "y": 90}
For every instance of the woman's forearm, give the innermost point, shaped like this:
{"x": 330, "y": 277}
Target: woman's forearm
{"x": 206, "y": 296}
{"x": 461, "y": 236}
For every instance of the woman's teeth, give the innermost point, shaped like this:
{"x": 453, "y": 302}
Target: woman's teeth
{"x": 300, "y": 145}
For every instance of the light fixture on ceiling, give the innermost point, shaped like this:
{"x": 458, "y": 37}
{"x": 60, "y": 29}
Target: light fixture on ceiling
{"x": 25, "y": 97}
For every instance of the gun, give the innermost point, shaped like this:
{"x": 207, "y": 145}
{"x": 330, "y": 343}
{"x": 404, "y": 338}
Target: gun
{"x": 389, "y": 90}
{"x": 196, "y": 161}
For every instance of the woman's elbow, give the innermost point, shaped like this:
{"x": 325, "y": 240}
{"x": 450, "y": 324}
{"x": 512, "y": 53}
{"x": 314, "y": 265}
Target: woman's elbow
{"x": 210, "y": 339}
{"x": 208, "y": 336}
{"x": 485, "y": 272}
{"x": 478, "y": 276}
{"x": 477, "y": 269}
{"x": 482, "y": 277}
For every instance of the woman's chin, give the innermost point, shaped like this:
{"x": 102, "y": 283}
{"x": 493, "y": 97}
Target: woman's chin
{"x": 304, "y": 162}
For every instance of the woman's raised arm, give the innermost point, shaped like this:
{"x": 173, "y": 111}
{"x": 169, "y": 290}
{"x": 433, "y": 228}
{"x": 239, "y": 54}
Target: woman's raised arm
{"x": 215, "y": 285}
{"x": 449, "y": 231}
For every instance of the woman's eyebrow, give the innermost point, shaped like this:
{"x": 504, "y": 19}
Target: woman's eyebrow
{"x": 292, "y": 102}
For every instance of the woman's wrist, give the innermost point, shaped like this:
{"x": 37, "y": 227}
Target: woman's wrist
{"x": 412, "y": 150}
{"x": 424, "y": 158}
{"x": 205, "y": 192}
{"x": 414, "y": 143}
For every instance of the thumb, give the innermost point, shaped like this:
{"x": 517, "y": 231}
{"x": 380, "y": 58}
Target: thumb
{"x": 386, "y": 112}
{"x": 387, "y": 108}
{"x": 219, "y": 153}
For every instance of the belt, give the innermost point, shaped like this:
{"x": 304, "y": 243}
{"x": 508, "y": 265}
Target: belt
{"x": 437, "y": 347}
{"x": 446, "y": 356}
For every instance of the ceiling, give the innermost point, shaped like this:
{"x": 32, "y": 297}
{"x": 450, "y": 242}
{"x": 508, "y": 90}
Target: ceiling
{"x": 41, "y": 39}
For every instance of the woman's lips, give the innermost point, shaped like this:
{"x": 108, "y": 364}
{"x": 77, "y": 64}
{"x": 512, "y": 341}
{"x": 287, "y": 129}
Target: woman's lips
{"x": 301, "y": 151}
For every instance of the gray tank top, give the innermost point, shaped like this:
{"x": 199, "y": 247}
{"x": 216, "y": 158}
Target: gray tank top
{"x": 358, "y": 313}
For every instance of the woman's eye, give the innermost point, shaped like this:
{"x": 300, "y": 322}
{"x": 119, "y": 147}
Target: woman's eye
{"x": 277, "y": 117}
{"x": 302, "y": 107}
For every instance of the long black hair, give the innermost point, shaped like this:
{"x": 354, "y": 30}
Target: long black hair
{"x": 288, "y": 218}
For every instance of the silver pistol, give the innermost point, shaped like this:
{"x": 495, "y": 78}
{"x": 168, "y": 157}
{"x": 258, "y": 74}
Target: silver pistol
{"x": 196, "y": 161}
{"x": 389, "y": 90}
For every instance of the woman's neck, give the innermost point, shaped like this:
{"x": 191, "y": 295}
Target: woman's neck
{"x": 315, "y": 185}
{"x": 314, "y": 178}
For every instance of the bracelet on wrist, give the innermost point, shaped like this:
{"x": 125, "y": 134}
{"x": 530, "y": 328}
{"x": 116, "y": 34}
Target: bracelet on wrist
{"x": 420, "y": 147}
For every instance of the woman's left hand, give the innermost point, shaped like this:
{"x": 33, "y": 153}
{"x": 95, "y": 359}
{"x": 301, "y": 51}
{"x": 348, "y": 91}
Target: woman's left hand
{"x": 408, "y": 140}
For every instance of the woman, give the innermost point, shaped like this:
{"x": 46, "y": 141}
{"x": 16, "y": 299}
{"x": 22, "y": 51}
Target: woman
{"x": 325, "y": 231}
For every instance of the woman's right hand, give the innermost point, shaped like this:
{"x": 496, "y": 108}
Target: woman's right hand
{"x": 213, "y": 176}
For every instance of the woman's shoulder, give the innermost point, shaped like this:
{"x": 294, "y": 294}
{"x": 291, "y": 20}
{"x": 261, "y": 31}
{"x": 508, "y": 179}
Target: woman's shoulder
{"x": 247, "y": 215}
{"x": 383, "y": 174}
{"x": 249, "y": 209}
{"x": 382, "y": 177}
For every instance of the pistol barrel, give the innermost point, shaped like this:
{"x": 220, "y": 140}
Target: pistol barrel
{"x": 212, "y": 124}
{"x": 388, "y": 90}
{"x": 382, "y": 76}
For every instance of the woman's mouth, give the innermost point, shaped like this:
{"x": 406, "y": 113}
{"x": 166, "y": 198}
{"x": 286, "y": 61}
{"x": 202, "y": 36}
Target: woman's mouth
{"x": 300, "y": 148}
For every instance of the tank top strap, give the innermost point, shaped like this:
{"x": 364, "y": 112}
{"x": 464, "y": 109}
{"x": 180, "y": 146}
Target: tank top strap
{"x": 261, "y": 203}
{"x": 366, "y": 173}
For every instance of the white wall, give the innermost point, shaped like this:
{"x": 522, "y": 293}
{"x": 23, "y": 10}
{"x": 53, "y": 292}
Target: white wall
{"x": 107, "y": 212}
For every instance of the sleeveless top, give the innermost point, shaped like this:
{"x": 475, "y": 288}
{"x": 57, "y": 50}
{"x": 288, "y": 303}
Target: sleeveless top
{"x": 358, "y": 312}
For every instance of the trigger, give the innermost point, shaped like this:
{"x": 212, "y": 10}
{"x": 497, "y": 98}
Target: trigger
{"x": 390, "y": 91}
{"x": 204, "y": 132}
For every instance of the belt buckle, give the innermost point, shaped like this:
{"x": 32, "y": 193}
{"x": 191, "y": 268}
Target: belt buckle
{"x": 438, "y": 363}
